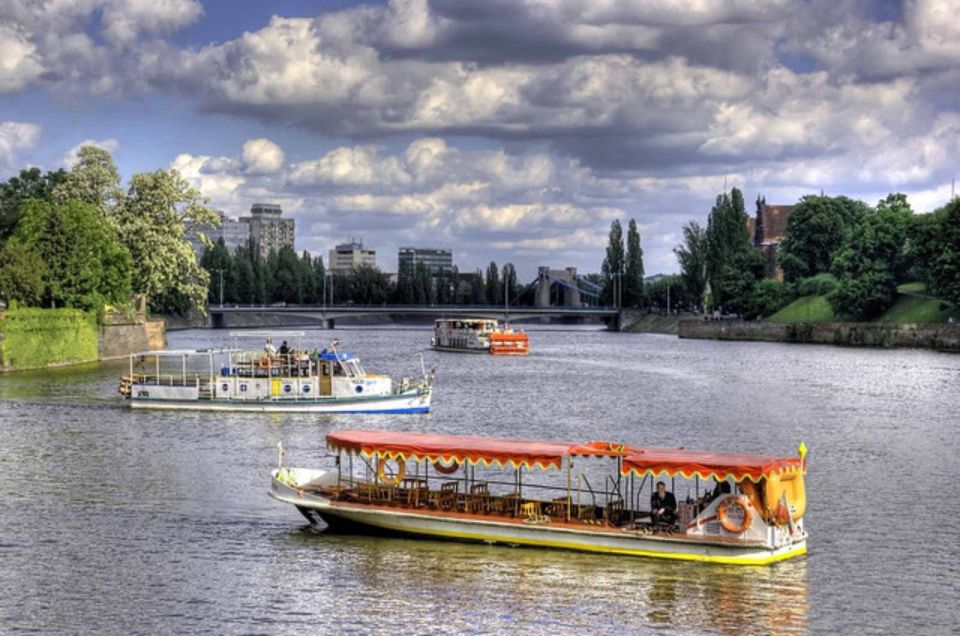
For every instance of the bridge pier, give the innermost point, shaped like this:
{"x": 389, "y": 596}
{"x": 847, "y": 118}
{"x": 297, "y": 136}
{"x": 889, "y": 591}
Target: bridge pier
{"x": 216, "y": 320}
{"x": 327, "y": 323}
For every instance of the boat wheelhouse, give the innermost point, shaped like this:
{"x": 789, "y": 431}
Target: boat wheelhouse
{"x": 287, "y": 379}
{"x": 479, "y": 335}
{"x": 494, "y": 490}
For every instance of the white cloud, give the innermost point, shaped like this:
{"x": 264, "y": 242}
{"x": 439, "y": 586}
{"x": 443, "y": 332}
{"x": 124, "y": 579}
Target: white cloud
{"x": 124, "y": 20}
{"x": 20, "y": 65}
{"x": 14, "y": 138}
{"x": 70, "y": 157}
{"x": 262, "y": 156}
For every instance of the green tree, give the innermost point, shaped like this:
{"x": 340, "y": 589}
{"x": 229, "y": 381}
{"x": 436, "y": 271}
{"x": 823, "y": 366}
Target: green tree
{"x": 309, "y": 290}
{"x": 732, "y": 265}
{"x": 285, "y": 267}
{"x": 479, "y": 289}
{"x": 405, "y": 294}
{"x": 613, "y": 265}
{"x": 510, "y": 286}
{"x": 633, "y": 277}
{"x": 22, "y": 274}
{"x": 944, "y": 267}
{"x": 494, "y": 288}
{"x": 817, "y": 228}
{"x": 220, "y": 264}
{"x": 872, "y": 260}
{"x": 692, "y": 256}
{"x": 86, "y": 267}
{"x": 160, "y": 208}
{"x": 30, "y": 184}
{"x": 93, "y": 179}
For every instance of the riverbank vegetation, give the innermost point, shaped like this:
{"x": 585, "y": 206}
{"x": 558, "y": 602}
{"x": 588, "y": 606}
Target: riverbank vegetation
{"x": 841, "y": 259}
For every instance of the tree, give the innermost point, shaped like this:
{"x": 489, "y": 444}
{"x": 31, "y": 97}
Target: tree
{"x": 94, "y": 179}
{"x": 633, "y": 283}
{"x": 871, "y": 260}
{"x": 945, "y": 266}
{"x": 510, "y": 286}
{"x": 817, "y": 227}
{"x": 309, "y": 290}
{"x": 85, "y": 264}
{"x": 159, "y": 209}
{"x": 479, "y": 289}
{"x": 22, "y": 273}
{"x": 222, "y": 268}
{"x": 30, "y": 184}
{"x": 732, "y": 265}
{"x": 692, "y": 256}
{"x": 613, "y": 265}
{"x": 286, "y": 285}
{"x": 494, "y": 288}
{"x": 405, "y": 294}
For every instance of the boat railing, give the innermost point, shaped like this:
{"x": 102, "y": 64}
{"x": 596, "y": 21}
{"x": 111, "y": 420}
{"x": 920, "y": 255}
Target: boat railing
{"x": 168, "y": 379}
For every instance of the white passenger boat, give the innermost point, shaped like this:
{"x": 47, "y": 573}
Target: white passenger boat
{"x": 454, "y": 487}
{"x": 479, "y": 335}
{"x": 284, "y": 380}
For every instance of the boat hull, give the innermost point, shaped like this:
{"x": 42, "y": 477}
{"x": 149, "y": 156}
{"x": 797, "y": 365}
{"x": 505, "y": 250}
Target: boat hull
{"x": 473, "y": 528}
{"x": 403, "y": 403}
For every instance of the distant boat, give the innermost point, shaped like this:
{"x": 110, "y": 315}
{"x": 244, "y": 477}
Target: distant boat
{"x": 284, "y": 380}
{"x": 485, "y": 489}
{"x": 479, "y": 335}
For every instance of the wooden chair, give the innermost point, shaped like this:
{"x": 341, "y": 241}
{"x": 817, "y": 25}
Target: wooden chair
{"x": 446, "y": 498}
{"x": 613, "y": 512}
{"x": 531, "y": 513}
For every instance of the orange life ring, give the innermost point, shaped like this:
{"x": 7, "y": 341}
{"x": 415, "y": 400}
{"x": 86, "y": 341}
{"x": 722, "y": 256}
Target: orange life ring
{"x": 390, "y": 481}
{"x": 733, "y": 525}
{"x": 263, "y": 362}
{"x": 446, "y": 470}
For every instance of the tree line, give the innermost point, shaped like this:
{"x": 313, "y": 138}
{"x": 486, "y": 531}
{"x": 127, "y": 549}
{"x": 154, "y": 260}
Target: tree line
{"x": 853, "y": 253}
{"x": 246, "y": 277}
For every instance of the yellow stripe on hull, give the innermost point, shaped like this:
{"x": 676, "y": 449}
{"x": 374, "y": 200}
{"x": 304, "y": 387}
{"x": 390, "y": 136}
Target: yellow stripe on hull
{"x": 582, "y": 547}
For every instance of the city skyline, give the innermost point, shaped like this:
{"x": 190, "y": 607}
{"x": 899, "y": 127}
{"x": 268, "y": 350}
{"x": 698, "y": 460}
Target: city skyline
{"x": 513, "y": 132}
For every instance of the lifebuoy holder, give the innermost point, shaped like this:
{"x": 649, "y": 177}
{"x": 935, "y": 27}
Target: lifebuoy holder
{"x": 732, "y": 522}
{"x": 381, "y": 471}
{"x": 446, "y": 470}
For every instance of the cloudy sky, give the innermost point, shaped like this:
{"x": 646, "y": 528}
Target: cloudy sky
{"x": 509, "y": 130}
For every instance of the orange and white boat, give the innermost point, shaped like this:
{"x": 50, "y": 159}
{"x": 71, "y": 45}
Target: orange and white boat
{"x": 479, "y": 335}
{"x": 494, "y": 490}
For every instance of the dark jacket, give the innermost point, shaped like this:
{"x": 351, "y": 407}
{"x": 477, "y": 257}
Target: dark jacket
{"x": 669, "y": 501}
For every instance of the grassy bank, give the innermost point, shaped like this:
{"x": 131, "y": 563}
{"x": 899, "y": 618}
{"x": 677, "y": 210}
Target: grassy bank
{"x": 31, "y": 338}
{"x": 911, "y": 306}
{"x": 655, "y": 323}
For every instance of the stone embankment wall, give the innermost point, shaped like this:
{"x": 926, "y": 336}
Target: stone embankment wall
{"x": 856, "y": 334}
{"x": 119, "y": 341}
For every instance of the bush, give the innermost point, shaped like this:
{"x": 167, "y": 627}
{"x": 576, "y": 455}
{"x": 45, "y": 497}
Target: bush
{"x": 768, "y": 297}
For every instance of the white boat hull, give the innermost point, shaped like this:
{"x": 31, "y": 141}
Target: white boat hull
{"x": 410, "y": 402}
{"x": 508, "y": 531}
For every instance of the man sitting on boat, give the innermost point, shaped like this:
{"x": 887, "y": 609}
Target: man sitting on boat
{"x": 663, "y": 505}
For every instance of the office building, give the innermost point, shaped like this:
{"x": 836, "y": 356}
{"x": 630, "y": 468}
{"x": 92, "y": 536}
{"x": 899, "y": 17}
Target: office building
{"x": 436, "y": 260}
{"x": 267, "y": 229}
{"x": 347, "y": 256}
{"x": 233, "y": 233}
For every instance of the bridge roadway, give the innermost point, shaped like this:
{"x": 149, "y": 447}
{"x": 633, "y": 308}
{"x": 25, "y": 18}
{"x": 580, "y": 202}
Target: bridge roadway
{"x": 327, "y": 315}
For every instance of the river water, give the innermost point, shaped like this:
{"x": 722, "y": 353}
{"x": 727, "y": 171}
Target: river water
{"x": 120, "y": 522}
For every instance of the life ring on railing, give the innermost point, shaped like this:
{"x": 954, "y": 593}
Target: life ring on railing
{"x": 263, "y": 362}
{"x": 446, "y": 470}
{"x": 381, "y": 473}
{"x": 731, "y": 523}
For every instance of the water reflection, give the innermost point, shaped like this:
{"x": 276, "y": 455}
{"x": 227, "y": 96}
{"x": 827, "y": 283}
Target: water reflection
{"x": 493, "y": 589}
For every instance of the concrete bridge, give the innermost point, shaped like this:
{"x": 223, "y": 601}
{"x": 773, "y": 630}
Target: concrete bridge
{"x": 326, "y": 316}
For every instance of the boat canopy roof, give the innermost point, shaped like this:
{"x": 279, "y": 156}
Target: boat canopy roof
{"x": 471, "y": 449}
{"x": 706, "y": 465}
{"x": 182, "y": 352}
{"x": 474, "y": 449}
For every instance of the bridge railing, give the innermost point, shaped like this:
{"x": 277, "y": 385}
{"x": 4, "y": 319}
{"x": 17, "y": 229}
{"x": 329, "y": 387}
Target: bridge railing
{"x": 434, "y": 307}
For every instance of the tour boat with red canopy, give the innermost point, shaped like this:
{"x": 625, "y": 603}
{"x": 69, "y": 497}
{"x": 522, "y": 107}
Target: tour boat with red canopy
{"x": 495, "y": 490}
